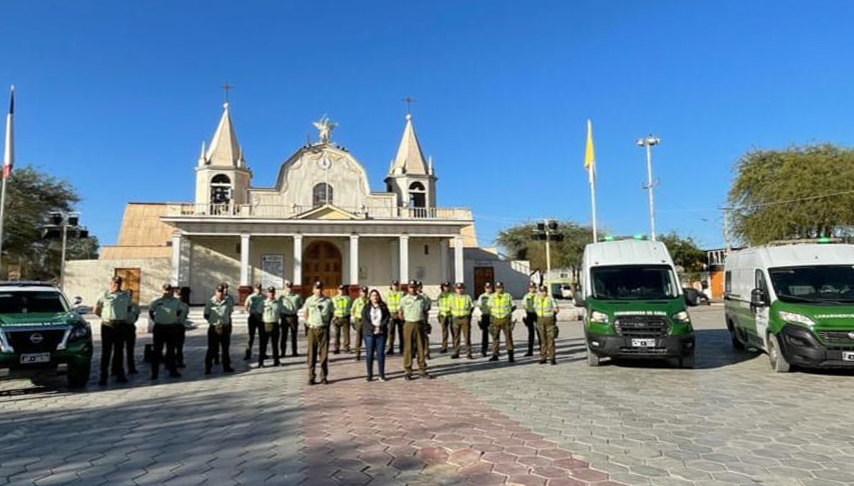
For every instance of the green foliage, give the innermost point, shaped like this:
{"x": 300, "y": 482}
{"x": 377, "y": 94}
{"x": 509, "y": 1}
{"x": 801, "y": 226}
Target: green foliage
{"x": 30, "y": 196}
{"x": 685, "y": 252}
{"x": 517, "y": 243}
{"x": 766, "y": 179}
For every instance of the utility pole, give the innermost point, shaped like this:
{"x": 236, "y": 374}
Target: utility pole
{"x": 648, "y": 143}
{"x": 726, "y": 230}
{"x": 58, "y": 227}
{"x": 548, "y": 232}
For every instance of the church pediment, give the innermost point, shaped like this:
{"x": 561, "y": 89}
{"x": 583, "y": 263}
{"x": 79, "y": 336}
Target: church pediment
{"x": 327, "y": 211}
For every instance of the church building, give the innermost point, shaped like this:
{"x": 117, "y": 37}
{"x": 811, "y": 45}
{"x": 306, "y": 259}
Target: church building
{"x": 319, "y": 220}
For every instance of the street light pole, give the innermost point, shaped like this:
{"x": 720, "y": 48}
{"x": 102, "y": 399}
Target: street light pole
{"x": 548, "y": 259}
{"x": 648, "y": 143}
{"x": 62, "y": 263}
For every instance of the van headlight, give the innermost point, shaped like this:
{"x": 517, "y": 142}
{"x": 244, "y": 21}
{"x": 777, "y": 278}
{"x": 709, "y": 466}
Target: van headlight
{"x": 683, "y": 317}
{"x": 599, "y": 317}
{"x": 796, "y": 318}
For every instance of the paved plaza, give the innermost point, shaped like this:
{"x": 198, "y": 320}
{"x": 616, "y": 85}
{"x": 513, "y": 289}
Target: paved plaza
{"x": 730, "y": 421}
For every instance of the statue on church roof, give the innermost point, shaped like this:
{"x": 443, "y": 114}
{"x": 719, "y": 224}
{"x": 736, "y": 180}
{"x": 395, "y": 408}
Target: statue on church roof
{"x": 324, "y": 127}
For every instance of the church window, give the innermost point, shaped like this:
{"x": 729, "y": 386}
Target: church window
{"x": 322, "y": 194}
{"x": 417, "y": 195}
{"x": 220, "y": 189}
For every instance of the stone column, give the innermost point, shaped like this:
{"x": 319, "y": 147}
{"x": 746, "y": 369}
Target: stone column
{"x": 403, "y": 258}
{"x": 176, "y": 258}
{"x": 459, "y": 273}
{"x": 443, "y": 260}
{"x": 394, "y": 251}
{"x": 297, "y": 260}
{"x": 245, "y": 275}
{"x": 354, "y": 261}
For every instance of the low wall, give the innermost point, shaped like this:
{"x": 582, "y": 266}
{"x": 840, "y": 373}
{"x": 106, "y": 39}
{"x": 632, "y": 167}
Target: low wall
{"x": 90, "y": 278}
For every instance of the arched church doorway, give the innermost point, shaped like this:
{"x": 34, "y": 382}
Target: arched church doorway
{"x": 321, "y": 261}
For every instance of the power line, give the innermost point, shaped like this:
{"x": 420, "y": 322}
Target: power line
{"x": 787, "y": 201}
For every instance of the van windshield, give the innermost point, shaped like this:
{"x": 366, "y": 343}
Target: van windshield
{"x": 633, "y": 282}
{"x": 819, "y": 284}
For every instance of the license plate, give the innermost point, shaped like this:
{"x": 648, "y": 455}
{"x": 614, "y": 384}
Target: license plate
{"x": 643, "y": 343}
{"x": 848, "y": 356}
{"x": 35, "y": 358}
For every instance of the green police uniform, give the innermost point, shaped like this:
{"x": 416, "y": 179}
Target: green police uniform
{"x": 130, "y": 336}
{"x": 218, "y": 314}
{"x": 341, "y": 320}
{"x": 392, "y": 300}
{"x": 182, "y": 333}
{"x": 114, "y": 308}
{"x": 530, "y": 320}
{"x": 461, "y": 309}
{"x": 319, "y": 312}
{"x": 485, "y": 320}
{"x": 546, "y": 308}
{"x": 413, "y": 307}
{"x": 356, "y": 320}
{"x": 292, "y": 303}
{"x": 271, "y": 314}
{"x": 254, "y": 306}
{"x": 501, "y": 311}
{"x": 445, "y": 318}
{"x": 165, "y": 312}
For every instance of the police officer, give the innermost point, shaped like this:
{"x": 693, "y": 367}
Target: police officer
{"x": 165, "y": 312}
{"x": 445, "y": 318}
{"x": 356, "y": 319}
{"x": 483, "y": 305}
{"x": 182, "y": 329}
{"x": 230, "y": 300}
{"x": 501, "y": 312}
{"x": 426, "y": 327}
{"x": 255, "y": 307}
{"x": 271, "y": 314}
{"x": 547, "y": 310}
{"x": 130, "y": 334}
{"x": 412, "y": 309}
{"x": 341, "y": 318}
{"x": 218, "y": 314}
{"x": 531, "y": 317}
{"x": 461, "y": 310}
{"x": 318, "y": 311}
{"x": 113, "y": 308}
{"x": 291, "y": 304}
{"x": 392, "y": 299}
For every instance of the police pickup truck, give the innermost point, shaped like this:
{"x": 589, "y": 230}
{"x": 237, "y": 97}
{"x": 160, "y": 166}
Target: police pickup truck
{"x": 41, "y": 334}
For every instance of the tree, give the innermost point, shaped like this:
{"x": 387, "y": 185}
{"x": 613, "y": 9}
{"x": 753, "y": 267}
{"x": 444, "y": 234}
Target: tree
{"x": 799, "y": 192}
{"x": 30, "y": 196}
{"x": 685, "y": 252}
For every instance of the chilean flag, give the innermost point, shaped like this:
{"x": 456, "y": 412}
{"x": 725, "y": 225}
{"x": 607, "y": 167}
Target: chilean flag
{"x": 9, "y": 150}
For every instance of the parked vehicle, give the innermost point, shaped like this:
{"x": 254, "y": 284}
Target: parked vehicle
{"x": 633, "y": 303}
{"x": 40, "y": 333}
{"x": 793, "y": 301}
{"x": 694, "y": 297}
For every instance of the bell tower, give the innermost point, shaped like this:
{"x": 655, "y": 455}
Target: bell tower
{"x": 410, "y": 176}
{"x": 222, "y": 178}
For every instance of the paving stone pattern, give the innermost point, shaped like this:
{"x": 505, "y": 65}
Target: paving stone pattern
{"x": 731, "y": 421}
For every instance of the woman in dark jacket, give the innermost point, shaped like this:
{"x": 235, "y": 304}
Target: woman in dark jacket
{"x": 375, "y": 321}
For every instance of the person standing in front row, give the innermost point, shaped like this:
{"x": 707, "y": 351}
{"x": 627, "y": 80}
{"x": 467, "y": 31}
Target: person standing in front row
{"x": 396, "y": 325}
{"x": 113, "y": 308}
{"x": 356, "y": 319}
{"x": 426, "y": 327}
{"x": 271, "y": 314}
{"x": 461, "y": 310}
{"x": 413, "y": 306}
{"x": 531, "y": 318}
{"x": 547, "y": 311}
{"x": 218, "y": 314}
{"x": 445, "y": 298}
{"x": 130, "y": 334}
{"x": 501, "y": 311}
{"x": 182, "y": 329}
{"x": 485, "y": 321}
{"x": 291, "y": 304}
{"x": 341, "y": 319}
{"x": 165, "y": 312}
{"x": 375, "y": 321}
{"x": 318, "y": 316}
{"x": 255, "y": 307}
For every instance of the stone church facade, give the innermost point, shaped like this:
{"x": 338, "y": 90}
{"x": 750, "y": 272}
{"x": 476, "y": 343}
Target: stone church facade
{"x": 319, "y": 220}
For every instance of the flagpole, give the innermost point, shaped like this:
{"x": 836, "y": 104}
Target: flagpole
{"x": 593, "y": 200}
{"x": 590, "y": 165}
{"x": 8, "y": 159}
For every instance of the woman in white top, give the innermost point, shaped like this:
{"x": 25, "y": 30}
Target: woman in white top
{"x": 375, "y": 322}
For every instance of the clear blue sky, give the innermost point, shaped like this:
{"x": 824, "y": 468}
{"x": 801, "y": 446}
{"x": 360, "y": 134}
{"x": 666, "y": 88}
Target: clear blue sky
{"x": 118, "y": 96}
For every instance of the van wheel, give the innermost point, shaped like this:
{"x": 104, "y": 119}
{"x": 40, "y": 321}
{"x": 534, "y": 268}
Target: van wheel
{"x": 687, "y": 361}
{"x": 592, "y": 358}
{"x": 736, "y": 343}
{"x": 778, "y": 361}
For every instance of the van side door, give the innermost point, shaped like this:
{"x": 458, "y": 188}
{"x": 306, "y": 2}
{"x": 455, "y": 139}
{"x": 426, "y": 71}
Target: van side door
{"x": 760, "y": 314}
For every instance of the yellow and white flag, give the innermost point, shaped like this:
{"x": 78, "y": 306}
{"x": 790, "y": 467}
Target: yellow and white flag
{"x": 590, "y": 167}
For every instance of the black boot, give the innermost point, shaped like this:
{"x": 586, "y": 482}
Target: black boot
{"x": 510, "y": 357}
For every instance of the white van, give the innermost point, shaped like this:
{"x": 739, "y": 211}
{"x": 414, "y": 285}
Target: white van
{"x": 794, "y": 301}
